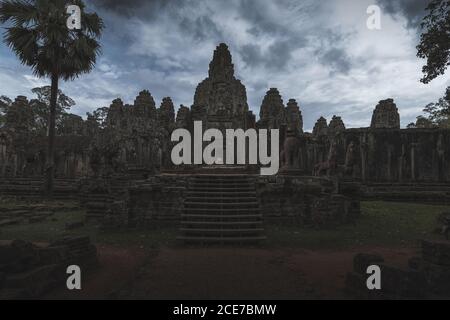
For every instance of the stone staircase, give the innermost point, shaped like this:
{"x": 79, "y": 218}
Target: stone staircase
{"x": 221, "y": 209}
{"x": 35, "y": 188}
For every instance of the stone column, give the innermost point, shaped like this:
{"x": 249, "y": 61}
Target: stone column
{"x": 401, "y": 163}
{"x": 363, "y": 152}
{"x": 413, "y": 161}
{"x": 389, "y": 163}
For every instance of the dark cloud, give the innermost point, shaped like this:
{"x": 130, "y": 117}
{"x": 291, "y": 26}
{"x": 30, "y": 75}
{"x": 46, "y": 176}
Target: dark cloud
{"x": 308, "y": 49}
{"x": 332, "y": 53}
{"x": 201, "y": 28}
{"x": 337, "y": 59}
{"x": 412, "y": 10}
{"x": 275, "y": 57}
{"x": 261, "y": 18}
{"x": 138, "y": 8}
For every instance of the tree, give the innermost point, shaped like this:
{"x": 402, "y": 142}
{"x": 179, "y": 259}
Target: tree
{"x": 99, "y": 116}
{"x": 5, "y": 102}
{"x": 435, "y": 40}
{"x": 439, "y": 112}
{"x": 37, "y": 32}
{"x": 41, "y": 106}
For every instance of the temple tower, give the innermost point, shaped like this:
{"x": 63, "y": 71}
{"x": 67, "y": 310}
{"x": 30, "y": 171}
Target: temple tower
{"x": 220, "y": 100}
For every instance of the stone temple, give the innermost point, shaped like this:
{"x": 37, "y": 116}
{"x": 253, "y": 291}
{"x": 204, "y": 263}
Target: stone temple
{"x": 119, "y": 166}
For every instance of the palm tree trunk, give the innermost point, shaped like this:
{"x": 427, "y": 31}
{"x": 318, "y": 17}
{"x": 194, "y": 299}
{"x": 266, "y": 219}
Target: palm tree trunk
{"x": 51, "y": 137}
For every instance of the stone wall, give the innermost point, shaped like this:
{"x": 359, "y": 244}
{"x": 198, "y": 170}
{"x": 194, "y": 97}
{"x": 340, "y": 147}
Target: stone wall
{"x": 307, "y": 201}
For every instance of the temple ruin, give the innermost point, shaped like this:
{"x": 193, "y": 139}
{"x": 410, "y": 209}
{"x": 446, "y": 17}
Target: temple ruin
{"x": 121, "y": 168}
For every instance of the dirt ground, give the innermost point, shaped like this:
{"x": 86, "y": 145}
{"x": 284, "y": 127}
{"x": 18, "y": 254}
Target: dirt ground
{"x": 223, "y": 273}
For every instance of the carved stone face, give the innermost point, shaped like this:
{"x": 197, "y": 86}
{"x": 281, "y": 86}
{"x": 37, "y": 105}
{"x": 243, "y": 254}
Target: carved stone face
{"x": 221, "y": 100}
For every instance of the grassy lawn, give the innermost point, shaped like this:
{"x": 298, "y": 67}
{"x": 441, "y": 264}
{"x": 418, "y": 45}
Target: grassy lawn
{"x": 55, "y": 227}
{"x": 381, "y": 224}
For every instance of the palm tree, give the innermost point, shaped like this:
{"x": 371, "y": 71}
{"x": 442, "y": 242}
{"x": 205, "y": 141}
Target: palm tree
{"x": 36, "y": 30}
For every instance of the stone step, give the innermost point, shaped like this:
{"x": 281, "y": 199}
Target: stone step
{"x": 221, "y": 189}
{"x": 236, "y": 199}
{"x": 222, "y": 223}
{"x": 222, "y": 216}
{"x": 223, "y": 210}
{"x": 222, "y": 193}
{"x": 217, "y": 206}
{"x": 223, "y": 181}
{"x": 221, "y": 231}
{"x": 238, "y": 240}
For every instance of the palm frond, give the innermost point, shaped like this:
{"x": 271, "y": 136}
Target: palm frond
{"x": 18, "y": 12}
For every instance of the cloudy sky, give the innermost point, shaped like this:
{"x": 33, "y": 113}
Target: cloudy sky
{"x": 318, "y": 52}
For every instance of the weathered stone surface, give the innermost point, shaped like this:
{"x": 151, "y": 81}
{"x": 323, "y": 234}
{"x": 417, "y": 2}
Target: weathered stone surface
{"x": 437, "y": 252}
{"x": 54, "y": 254}
{"x": 74, "y": 225}
{"x": 385, "y": 115}
{"x": 272, "y": 110}
{"x": 220, "y": 100}
{"x": 437, "y": 277}
{"x": 336, "y": 126}
{"x": 362, "y": 261}
{"x": 402, "y": 283}
{"x": 166, "y": 113}
{"x": 293, "y": 116}
{"x": 28, "y": 271}
{"x": 356, "y": 287}
{"x": 320, "y": 128}
{"x": 36, "y": 282}
{"x": 183, "y": 117}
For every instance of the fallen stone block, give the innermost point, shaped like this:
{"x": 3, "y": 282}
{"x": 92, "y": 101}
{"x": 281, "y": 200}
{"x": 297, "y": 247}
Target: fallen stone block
{"x": 54, "y": 255}
{"x": 437, "y": 252}
{"x": 356, "y": 286}
{"x": 37, "y": 219}
{"x": 10, "y": 222}
{"x": 36, "y": 282}
{"x": 437, "y": 277}
{"x": 415, "y": 263}
{"x": 74, "y": 225}
{"x": 19, "y": 256}
{"x": 402, "y": 283}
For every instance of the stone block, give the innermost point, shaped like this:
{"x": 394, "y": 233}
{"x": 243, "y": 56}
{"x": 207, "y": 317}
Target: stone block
{"x": 437, "y": 278}
{"x": 437, "y": 252}
{"x": 74, "y": 225}
{"x": 402, "y": 283}
{"x": 362, "y": 260}
{"x": 36, "y": 282}
{"x": 356, "y": 286}
{"x": 54, "y": 255}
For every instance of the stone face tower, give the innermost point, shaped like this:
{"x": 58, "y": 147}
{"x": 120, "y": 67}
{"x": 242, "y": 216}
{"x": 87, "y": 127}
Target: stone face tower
{"x": 271, "y": 113}
{"x": 385, "y": 115}
{"x": 294, "y": 118}
{"x": 220, "y": 100}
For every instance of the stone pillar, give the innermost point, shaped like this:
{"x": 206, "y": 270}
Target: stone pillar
{"x": 413, "y": 161}
{"x": 401, "y": 163}
{"x": 389, "y": 163}
{"x": 363, "y": 151}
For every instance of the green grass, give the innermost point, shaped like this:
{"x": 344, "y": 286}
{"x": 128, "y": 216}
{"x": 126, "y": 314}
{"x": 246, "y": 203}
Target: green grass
{"x": 55, "y": 227}
{"x": 381, "y": 224}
